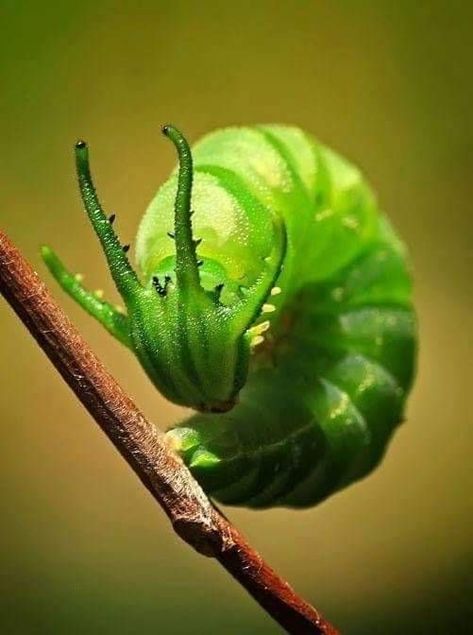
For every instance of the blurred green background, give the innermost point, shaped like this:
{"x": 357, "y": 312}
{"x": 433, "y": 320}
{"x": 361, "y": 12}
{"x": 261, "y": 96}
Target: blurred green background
{"x": 389, "y": 84}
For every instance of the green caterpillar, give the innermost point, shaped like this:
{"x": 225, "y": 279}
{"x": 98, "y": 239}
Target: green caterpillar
{"x": 273, "y": 298}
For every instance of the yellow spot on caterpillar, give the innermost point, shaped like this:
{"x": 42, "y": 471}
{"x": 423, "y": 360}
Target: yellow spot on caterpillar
{"x": 268, "y": 308}
{"x": 341, "y": 407}
{"x": 78, "y": 277}
{"x": 337, "y": 294}
{"x": 325, "y": 213}
{"x": 263, "y": 327}
{"x": 260, "y": 328}
{"x": 258, "y": 339}
{"x": 276, "y": 290}
{"x": 119, "y": 308}
{"x": 368, "y": 382}
{"x": 351, "y": 222}
{"x": 98, "y": 293}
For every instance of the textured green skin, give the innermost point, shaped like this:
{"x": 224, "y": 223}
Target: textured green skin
{"x": 320, "y": 397}
{"x": 326, "y": 392}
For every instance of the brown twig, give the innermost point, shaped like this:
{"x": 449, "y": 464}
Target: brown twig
{"x": 143, "y": 447}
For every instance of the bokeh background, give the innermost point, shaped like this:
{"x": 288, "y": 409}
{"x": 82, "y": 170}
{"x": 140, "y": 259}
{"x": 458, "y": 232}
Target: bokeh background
{"x": 389, "y": 84}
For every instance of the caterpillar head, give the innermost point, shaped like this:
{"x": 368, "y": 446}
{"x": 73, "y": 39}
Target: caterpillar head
{"x": 194, "y": 348}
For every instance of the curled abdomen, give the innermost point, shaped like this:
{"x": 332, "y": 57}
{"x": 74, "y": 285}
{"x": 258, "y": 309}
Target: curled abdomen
{"x": 329, "y": 391}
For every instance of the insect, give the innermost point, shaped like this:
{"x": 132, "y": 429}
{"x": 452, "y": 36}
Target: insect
{"x": 272, "y": 297}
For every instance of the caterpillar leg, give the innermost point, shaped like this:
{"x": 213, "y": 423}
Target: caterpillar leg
{"x": 111, "y": 318}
